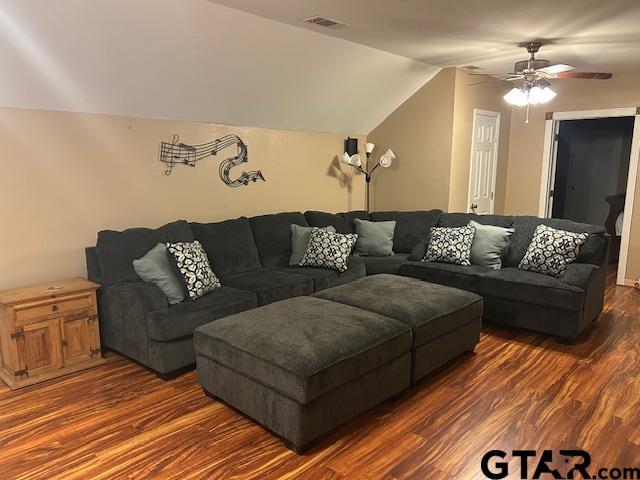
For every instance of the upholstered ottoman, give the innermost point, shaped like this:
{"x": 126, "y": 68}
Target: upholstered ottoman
{"x": 304, "y": 365}
{"x": 445, "y": 321}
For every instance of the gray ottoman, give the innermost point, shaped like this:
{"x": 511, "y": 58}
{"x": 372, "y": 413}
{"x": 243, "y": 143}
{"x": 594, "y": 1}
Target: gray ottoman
{"x": 445, "y": 321}
{"x": 304, "y": 365}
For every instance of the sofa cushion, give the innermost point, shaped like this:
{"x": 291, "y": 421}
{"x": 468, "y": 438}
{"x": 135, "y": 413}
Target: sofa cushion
{"x": 430, "y": 310}
{"x": 389, "y": 264}
{"x": 181, "y": 320}
{"x": 117, "y": 250}
{"x": 592, "y": 251}
{"x": 411, "y": 227}
{"x": 154, "y": 267}
{"x": 300, "y": 241}
{"x": 450, "y": 245}
{"x": 465, "y": 277}
{"x": 374, "y": 238}
{"x": 529, "y": 287}
{"x": 462, "y": 219}
{"x": 325, "y": 278}
{"x": 323, "y": 219}
{"x": 271, "y": 285}
{"x": 193, "y": 267}
{"x": 490, "y": 244}
{"x": 328, "y": 250}
{"x": 551, "y": 251}
{"x": 351, "y": 216}
{"x": 303, "y": 347}
{"x": 272, "y": 234}
{"x": 229, "y": 245}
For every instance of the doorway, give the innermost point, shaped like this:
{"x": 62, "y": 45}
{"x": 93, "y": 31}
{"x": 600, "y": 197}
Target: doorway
{"x": 592, "y": 164}
{"x": 589, "y": 172}
{"x": 484, "y": 157}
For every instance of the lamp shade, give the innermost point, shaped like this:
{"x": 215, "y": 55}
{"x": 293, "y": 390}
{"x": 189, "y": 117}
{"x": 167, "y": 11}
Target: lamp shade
{"x": 538, "y": 95}
{"x": 355, "y": 160}
{"x": 345, "y": 158}
{"x": 387, "y": 159}
{"x": 368, "y": 147}
{"x": 517, "y": 96}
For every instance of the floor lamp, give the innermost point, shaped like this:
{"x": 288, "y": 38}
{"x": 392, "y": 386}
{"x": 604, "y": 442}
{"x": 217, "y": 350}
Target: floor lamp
{"x": 354, "y": 160}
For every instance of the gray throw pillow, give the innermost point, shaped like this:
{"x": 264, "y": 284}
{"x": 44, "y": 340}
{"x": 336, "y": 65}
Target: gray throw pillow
{"x": 374, "y": 238}
{"x": 154, "y": 267}
{"x": 300, "y": 240}
{"x": 490, "y": 243}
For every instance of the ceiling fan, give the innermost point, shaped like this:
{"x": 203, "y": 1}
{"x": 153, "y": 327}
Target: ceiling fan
{"x": 532, "y": 78}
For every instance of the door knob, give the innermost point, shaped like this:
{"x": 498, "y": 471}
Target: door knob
{"x": 473, "y": 207}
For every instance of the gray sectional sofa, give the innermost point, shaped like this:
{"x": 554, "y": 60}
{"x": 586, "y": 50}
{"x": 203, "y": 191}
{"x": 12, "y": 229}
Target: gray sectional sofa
{"x": 250, "y": 255}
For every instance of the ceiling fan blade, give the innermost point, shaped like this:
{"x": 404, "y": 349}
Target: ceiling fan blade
{"x": 510, "y": 79}
{"x": 481, "y": 83}
{"x": 491, "y": 74}
{"x": 557, "y": 68}
{"x": 585, "y": 75}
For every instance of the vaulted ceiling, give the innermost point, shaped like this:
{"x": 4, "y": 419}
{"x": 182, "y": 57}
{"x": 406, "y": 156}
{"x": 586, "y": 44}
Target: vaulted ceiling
{"x": 195, "y": 60}
{"x": 602, "y": 35}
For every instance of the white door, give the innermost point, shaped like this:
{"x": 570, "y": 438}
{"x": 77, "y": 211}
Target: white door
{"x": 484, "y": 156}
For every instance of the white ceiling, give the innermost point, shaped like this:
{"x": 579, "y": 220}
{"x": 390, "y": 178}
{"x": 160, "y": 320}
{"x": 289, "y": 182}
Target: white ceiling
{"x": 593, "y": 35}
{"x": 195, "y": 60}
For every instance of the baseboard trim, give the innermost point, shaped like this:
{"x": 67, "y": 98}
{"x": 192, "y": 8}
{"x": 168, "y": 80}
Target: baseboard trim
{"x": 629, "y": 282}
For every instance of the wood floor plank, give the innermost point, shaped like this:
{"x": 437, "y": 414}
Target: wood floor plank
{"x": 518, "y": 390}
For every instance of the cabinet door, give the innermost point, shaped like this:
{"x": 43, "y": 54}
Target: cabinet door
{"x": 38, "y": 346}
{"x": 77, "y": 338}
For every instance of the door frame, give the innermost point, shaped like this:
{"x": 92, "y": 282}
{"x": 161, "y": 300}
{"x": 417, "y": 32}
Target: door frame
{"x": 497, "y": 115}
{"x": 552, "y": 120}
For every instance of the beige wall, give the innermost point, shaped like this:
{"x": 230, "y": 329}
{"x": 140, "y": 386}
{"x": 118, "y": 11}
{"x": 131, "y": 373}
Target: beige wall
{"x": 431, "y": 135}
{"x": 420, "y": 133}
{"x": 66, "y": 176}
{"x": 526, "y": 144}
{"x": 487, "y": 96}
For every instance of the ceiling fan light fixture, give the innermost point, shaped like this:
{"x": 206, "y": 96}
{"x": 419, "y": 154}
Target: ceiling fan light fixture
{"x": 517, "y": 96}
{"x": 539, "y": 95}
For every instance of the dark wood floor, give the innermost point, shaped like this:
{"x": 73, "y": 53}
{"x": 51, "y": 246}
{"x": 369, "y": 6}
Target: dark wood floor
{"x": 519, "y": 390}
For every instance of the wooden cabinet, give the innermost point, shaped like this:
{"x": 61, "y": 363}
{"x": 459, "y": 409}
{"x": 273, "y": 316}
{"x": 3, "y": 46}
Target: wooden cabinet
{"x": 47, "y": 331}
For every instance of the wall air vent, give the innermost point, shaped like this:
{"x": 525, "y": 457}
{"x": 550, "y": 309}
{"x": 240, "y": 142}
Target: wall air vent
{"x": 325, "y": 22}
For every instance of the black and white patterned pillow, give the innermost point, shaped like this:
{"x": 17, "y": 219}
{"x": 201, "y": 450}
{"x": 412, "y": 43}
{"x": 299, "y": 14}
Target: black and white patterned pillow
{"x": 328, "y": 249}
{"x": 193, "y": 265}
{"x": 551, "y": 250}
{"x": 450, "y": 245}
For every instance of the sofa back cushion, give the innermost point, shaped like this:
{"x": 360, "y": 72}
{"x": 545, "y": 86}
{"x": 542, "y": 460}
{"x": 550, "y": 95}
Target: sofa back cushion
{"x": 411, "y": 227}
{"x": 324, "y": 219}
{"x": 272, "y": 234}
{"x": 351, "y": 218}
{"x": 463, "y": 219}
{"x": 229, "y": 245}
{"x": 342, "y": 222}
{"x": 593, "y": 251}
{"x": 116, "y": 251}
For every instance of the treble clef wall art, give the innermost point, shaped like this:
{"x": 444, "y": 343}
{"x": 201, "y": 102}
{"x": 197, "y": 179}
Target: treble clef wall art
{"x": 176, "y": 152}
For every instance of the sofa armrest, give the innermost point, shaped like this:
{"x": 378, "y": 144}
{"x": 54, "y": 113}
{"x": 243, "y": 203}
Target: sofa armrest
{"x": 579, "y": 274}
{"x": 148, "y": 296}
{"x": 123, "y": 317}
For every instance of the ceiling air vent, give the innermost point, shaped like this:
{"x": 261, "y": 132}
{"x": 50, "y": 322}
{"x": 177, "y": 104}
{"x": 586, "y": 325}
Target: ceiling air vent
{"x": 325, "y": 22}
{"x": 472, "y": 67}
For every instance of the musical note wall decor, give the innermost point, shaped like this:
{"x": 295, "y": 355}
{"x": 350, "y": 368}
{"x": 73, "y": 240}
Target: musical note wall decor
{"x": 176, "y": 152}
